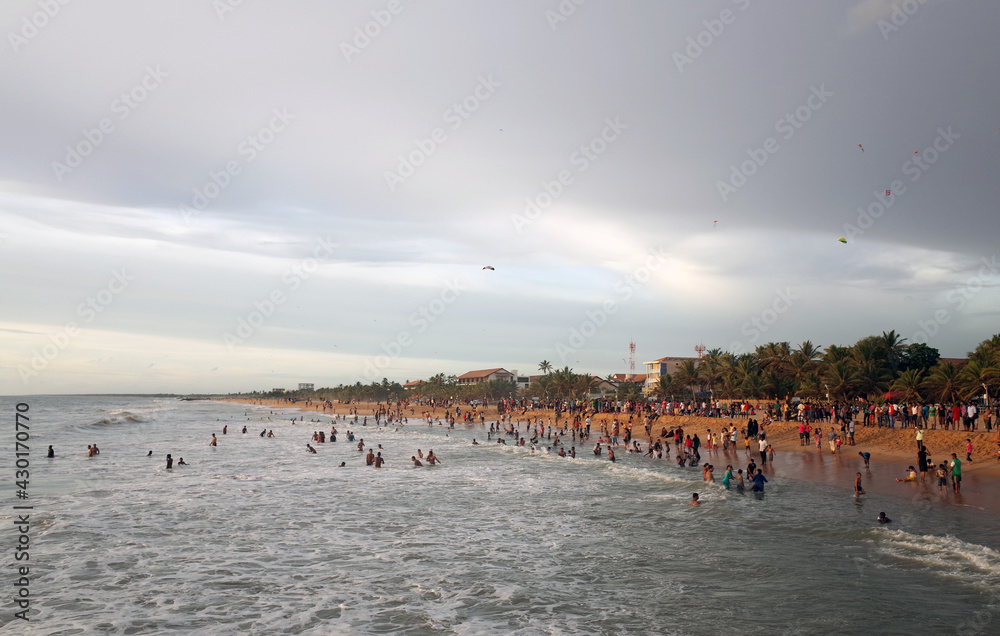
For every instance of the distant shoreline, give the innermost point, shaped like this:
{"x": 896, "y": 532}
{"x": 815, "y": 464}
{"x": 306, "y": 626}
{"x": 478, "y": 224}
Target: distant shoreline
{"x": 892, "y": 450}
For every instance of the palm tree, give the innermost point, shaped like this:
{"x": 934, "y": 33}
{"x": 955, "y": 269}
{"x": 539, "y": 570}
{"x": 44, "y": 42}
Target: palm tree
{"x": 545, "y": 366}
{"x": 841, "y": 379}
{"x": 894, "y": 348}
{"x": 774, "y": 356}
{"x": 909, "y": 383}
{"x": 944, "y": 382}
{"x": 976, "y": 377}
{"x": 663, "y": 387}
{"x": 688, "y": 374}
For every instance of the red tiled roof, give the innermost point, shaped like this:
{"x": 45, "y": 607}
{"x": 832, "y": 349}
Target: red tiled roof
{"x": 481, "y": 373}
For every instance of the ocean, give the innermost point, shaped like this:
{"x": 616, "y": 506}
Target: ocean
{"x": 256, "y": 536}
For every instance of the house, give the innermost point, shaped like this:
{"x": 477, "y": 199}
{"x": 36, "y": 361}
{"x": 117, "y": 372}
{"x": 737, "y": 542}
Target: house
{"x": 622, "y": 378}
{"x": 601, "y": 387}
{"x": 485, "y": 375}
{"x": 416, "y": 384}
{"x": 305, "y": 386}
{"x": 663, "y": 366}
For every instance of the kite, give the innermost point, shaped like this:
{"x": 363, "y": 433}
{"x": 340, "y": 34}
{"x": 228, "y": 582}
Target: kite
{"x": 715, "y": 223}
{"x": 862, "y": 148}
{"x": 842, "y": 239}
{"x": 888, "y": 193}
{"x": 490, "y": 267}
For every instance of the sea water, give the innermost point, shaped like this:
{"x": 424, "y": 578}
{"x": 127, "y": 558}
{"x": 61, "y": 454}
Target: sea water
{"x": 256, "y": 536}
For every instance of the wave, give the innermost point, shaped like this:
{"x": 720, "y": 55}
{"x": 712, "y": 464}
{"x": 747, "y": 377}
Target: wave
{"x": 946, "y": 555}
{"x": 119, "y": 417}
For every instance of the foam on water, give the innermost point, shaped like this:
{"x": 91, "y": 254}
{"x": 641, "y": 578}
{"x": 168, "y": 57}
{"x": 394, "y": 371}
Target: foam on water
{"x": 256, "y": 536}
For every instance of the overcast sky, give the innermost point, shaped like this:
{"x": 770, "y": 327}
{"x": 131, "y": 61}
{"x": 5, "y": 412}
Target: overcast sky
{"x": 201, "y": 197}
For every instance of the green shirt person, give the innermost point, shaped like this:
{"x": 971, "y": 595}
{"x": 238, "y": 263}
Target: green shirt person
{"x": 956, "y": 473}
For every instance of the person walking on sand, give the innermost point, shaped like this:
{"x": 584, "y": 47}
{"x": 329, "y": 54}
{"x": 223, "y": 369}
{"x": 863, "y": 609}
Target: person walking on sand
{"x": 968, "y": 450}
{"x": 858, "y": 490}
{"x": 920, "y": 437}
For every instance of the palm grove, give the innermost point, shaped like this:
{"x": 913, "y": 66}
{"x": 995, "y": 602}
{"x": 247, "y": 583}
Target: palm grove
{"x": 868, "y": 369}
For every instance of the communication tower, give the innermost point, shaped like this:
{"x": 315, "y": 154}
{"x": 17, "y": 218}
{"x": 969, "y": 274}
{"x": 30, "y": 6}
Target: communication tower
{"x": 700, "y": 350}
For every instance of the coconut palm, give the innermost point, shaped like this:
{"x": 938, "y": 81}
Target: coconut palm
{"x": 545, "y": 366}
{"x": 664, "y": 386}
{"x": 944, "y": 383}
{"x": 908, "y": 384}
{"x": 688, "y": 374}
{"x": 841, "y": 379}
{"x": 976, "y": 377}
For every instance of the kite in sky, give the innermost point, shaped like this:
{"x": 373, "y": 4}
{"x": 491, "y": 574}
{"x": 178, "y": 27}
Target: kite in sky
{"x": 490, "y": 267}
{"x": 715, "y": 223}
{"x": 862, "y": 148}
{"x": 842, "y": 239}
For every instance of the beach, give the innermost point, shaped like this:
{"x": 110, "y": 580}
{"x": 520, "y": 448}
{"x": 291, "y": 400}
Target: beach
{"x": 892, "y": 450}
{"x": 255, "y": 535}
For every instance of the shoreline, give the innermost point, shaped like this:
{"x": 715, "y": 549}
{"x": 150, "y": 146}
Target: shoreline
{"x": 888, "y": 448}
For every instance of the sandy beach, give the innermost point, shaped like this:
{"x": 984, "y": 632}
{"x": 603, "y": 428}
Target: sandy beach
{"x": 892, "y": 450}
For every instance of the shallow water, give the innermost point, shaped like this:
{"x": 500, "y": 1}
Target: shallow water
{"x": 258, "y": 537}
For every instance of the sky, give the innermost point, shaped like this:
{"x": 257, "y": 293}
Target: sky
{"x": 203, "y": 196}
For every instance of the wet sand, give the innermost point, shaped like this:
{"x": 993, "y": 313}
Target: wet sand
{"x": 804, "y": 463}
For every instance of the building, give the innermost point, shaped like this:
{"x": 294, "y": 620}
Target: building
{"x": 485, "y": 375}
{"x": 305, "y": 386}
{"x": 663, "y": 366}
{"x": 622, "y": 379}
{"x": 277, "y": 390}
{"x": 416, "y": 384}
{"x": 522, "y": 381}
{"x": 602, "y": 388}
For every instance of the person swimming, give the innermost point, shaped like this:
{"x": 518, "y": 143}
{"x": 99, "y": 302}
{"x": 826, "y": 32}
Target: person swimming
{"x": 694, "y": 500}
{"x": 416, "y": 462}
{"x": 52, "y": 452}
{"x": 181, "y": 462}
{"x": 310, "y": 448}
{"x": 883, "y": 519}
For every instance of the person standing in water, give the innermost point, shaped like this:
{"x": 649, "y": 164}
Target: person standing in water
{"x": 759, "y": 480}
{"x": 214, "y": 441}
{"x": 858, "y": 490}
{"x": 52, "y": 452}
{"x": 170, "y": 462}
